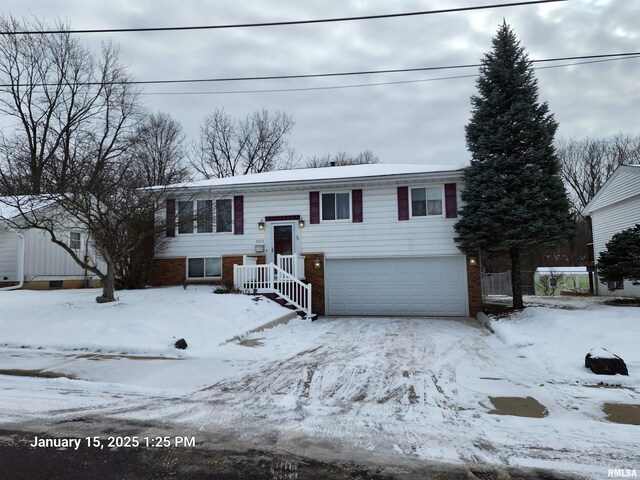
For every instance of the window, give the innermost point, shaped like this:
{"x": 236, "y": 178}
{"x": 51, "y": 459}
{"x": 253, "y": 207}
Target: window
{"x": 223, "y": 215}
{"x": 204, "y": 267}
{"x": 204, "y": 220}
{"x": 185, "y": 217}
{"x": 336, "y": 206}
{"x": 74, "y": 241}
{"x": 615, "y": 285}
{"x": 426, "y": 201}
{"x": 199, "y": 216}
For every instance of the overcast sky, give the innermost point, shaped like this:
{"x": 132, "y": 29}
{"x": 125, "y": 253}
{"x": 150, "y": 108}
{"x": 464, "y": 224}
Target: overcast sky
{"x": 418, "y": 122}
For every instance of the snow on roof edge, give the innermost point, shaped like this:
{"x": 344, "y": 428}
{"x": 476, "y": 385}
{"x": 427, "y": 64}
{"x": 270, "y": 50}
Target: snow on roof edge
{"x": 319, "y": 174}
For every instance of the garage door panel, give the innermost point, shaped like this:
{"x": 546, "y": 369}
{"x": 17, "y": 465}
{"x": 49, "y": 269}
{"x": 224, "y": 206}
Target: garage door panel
{"x": 405, "y": 286}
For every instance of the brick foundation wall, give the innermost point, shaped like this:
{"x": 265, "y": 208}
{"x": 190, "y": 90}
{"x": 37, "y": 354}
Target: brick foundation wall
{"x": 227, "y": 267}
{"x": 168, "y": 271}
{"x": 315, "y": 276}
{"x": 474, "y": 286}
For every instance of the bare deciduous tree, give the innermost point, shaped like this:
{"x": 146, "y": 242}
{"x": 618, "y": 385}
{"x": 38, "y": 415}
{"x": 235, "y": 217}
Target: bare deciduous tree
{"x": 341, "y": 159}
{"x": 586, "y": 164}
{"x": 228, "y": 147}
{"x": 158, "y": 151}
{"x": 75, "y": 119}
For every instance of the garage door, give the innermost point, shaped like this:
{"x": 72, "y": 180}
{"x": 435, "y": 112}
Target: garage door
{"x": 402, "y": 286}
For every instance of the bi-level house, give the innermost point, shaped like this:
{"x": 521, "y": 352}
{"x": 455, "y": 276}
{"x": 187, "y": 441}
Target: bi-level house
{"x": 357, "y": 240}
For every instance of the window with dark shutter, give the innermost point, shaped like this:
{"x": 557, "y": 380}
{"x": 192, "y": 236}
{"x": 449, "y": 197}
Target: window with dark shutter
{"x": 403, "y": 203}
{"x": 314, "y": 207}
{"x": 238, "y": 213}
{"x": 171, "y": 217}
{"x": 356, "y": 205}
{"x": 450, "y": 200}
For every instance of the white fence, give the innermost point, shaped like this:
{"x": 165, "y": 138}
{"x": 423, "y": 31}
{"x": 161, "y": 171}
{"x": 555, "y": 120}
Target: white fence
{"x": 292, "y": 264}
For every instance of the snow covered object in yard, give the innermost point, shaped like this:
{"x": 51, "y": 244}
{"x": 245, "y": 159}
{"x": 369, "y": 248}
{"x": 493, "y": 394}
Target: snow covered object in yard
{"x": 602, "y": 362}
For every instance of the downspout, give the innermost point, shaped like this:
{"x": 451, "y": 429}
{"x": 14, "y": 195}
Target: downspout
{"x": 20, "y": 265}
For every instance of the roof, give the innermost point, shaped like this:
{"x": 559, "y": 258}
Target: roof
{"x": 622, "y": 184}
{"x": 10, "y": 207}
{"x": 561, "y": 270}
{"x": 323, "y": 174}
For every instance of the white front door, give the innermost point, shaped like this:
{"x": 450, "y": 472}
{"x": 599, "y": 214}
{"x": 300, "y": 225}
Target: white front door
{"x": 281, "y": 239}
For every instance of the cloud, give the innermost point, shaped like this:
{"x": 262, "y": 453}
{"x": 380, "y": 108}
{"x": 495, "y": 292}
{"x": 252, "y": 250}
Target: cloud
{"x": 414, "y": 122}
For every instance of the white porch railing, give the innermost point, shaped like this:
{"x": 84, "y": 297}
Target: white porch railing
{"x": 292, "y": 264}
{"x": 271, "y": 278}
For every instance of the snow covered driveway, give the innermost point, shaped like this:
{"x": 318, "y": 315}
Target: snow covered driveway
{"x": 394, "y": 392}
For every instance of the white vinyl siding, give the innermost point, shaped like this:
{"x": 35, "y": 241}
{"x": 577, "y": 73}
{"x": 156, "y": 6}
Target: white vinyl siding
{"x": 623, "y": 184}
{"x": 381, "y": 233}
{"x": 607, "y": 222}
{"x": 9, "y": 250}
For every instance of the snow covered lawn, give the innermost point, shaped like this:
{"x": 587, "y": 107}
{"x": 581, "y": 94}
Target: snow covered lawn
{"x": 398, "y": 393}
{"x": 146, "y": 322}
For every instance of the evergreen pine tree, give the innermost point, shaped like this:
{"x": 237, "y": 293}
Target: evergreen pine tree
{"x": 621, "y": 259}
{"x": 513, "y": 196}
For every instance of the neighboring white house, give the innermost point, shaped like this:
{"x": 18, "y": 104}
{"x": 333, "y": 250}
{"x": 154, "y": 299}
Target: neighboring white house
{"x": 614, "y": 208}
{"x": 28, "y": 258}
{"x": 376, "y": 239}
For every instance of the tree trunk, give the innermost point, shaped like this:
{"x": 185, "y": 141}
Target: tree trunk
{"x": 516, "y": 280}
{"x": 108, "y": 284}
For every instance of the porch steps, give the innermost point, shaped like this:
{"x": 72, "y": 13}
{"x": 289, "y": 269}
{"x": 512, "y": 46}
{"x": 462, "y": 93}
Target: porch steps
{"x": 281, "y": 301}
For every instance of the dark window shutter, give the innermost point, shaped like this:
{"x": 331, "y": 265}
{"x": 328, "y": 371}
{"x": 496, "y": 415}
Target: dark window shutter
{"x": 450, "y": 200}
{"x": 171, "y": 217}
{"x": 356, "y": 205}
{"x": 403, "y": 203}
{"x": 238, "y": 215}
{"x": 314, "y": 207}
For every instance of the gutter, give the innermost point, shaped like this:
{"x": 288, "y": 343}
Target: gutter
{"x": 20, "y": 265}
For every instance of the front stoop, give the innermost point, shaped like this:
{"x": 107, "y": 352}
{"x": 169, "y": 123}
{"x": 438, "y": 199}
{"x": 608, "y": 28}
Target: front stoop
{"x": 281, "y": 301}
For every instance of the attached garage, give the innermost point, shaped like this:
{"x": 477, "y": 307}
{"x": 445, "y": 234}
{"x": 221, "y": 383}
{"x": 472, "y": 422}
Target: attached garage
{"x": 417, "y": 286}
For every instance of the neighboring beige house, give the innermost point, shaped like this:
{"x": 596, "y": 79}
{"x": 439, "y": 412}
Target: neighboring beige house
{"x": 369, "y": 239}
{"x": 614, "y": 208}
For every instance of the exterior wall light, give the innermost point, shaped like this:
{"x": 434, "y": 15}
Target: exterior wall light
{"x": 317, "y": 263}
{"x": 301, "y": 223}
{"x": 473, "y": 261}
{"x": 261, "y": 225}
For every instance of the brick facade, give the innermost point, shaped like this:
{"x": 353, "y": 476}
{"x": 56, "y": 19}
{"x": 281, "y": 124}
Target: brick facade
{"x": 315, "y": 276}
{"x": 227, "y": 268}
{"x": 168, "y": 271}
{"x": 474, "y": 285}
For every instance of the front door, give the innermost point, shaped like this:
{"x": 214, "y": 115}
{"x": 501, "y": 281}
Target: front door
{"x": 282, "y": 240}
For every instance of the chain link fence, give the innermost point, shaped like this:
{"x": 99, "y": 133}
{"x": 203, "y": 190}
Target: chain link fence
{"x": 500, "y": 283}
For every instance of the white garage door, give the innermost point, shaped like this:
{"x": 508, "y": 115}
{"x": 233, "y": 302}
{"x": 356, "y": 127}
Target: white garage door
{"x": 402, "y": 286}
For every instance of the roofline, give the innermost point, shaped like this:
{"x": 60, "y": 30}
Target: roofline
{"x": 588, "y": 209}
{"x": 389, "y": 177}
